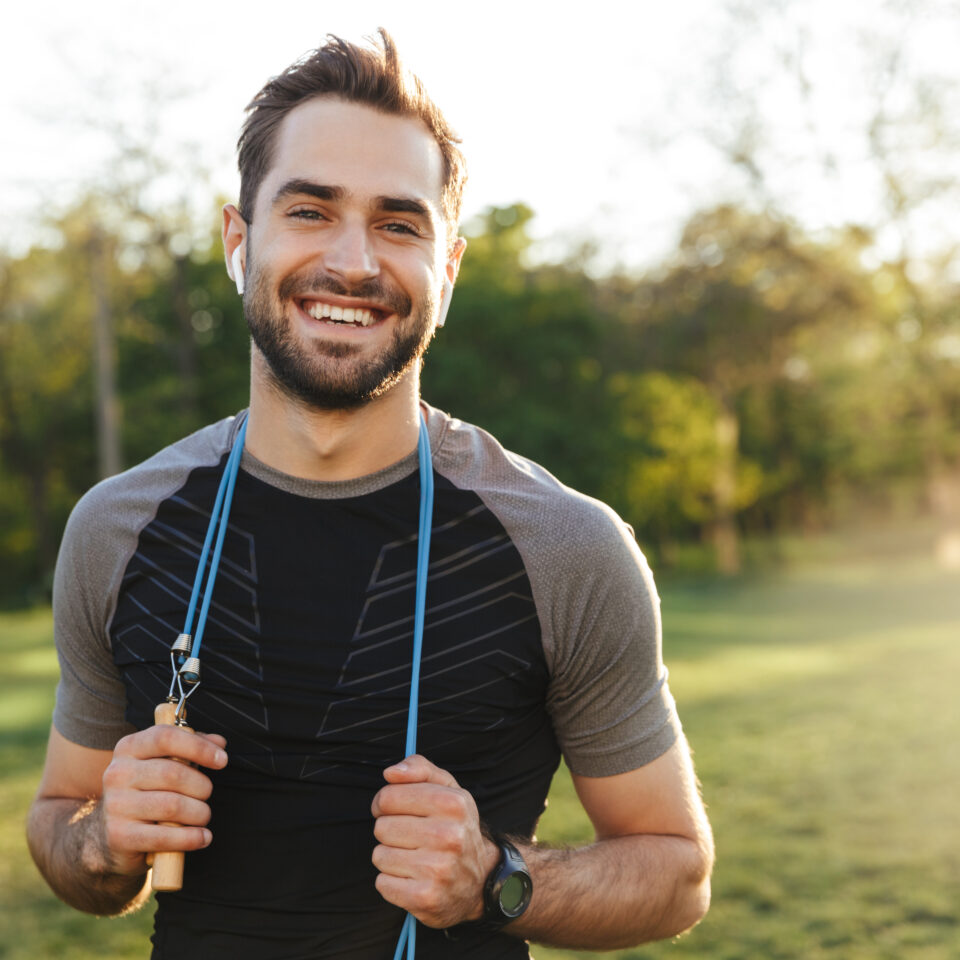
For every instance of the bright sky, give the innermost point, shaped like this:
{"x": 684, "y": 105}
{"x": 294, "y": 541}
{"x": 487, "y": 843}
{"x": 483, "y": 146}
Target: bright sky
{"x": 592, "y": 114}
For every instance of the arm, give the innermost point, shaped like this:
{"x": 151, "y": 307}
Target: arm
{"x": 94, "y": 819}
{"x": 646, "y": 877}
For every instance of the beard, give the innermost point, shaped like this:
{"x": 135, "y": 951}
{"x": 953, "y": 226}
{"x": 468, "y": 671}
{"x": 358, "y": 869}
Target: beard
{"x": 327, "y": 375}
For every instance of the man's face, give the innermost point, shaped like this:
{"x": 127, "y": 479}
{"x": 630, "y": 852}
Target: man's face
{"x": 346, "y": 253}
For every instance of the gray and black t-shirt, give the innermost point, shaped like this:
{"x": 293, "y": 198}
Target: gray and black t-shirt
{"x": 541, "y": 637}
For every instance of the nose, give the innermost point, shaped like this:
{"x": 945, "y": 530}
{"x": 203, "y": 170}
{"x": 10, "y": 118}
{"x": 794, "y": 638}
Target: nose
{"x": 350, "y": 253}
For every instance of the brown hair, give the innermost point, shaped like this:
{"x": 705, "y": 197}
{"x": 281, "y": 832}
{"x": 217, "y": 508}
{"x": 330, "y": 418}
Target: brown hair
{"x": 357, "y": 74}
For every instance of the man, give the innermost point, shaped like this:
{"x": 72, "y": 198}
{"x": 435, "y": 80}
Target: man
{"x": 308, "y": 832}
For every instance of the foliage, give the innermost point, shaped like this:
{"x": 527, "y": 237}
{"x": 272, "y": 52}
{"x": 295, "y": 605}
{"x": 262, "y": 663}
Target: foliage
{"x": 812, "y": 363}
{"x": 668, "y": 423}
{"x": 178, "y": 366}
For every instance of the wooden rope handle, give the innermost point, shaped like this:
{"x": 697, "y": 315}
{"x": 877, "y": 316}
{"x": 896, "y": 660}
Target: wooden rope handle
{"x": 167, "y": 866}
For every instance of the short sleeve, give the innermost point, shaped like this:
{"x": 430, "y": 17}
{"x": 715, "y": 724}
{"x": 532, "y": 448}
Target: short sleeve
{"x": 100, "y": 538}
{"x": 609, "y": 698}
{"x": 91, "y": 698}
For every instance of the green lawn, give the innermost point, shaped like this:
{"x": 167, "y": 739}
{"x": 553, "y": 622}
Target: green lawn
{"x": 822, "y": 706}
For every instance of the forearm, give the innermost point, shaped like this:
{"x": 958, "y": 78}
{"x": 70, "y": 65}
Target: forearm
{"x": 66, "y": 839}
{"x": 616, "y": 892}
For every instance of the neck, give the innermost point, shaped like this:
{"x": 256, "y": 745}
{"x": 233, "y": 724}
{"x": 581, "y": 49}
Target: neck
{"x": 302, "y": 441}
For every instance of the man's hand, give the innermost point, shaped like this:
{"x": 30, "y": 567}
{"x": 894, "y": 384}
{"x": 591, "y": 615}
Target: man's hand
{"x": 144, "y": 785}
{"x": 94, "y": 817}
{"x": 433, "y": 857}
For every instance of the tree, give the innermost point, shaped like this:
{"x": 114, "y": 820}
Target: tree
{"x": 45, "y": 410}
{"x": 55, "y": 302}
{"x": 669, "y": 426}
{"x": 893, "y": 141}
{"x": 732, "y": 310}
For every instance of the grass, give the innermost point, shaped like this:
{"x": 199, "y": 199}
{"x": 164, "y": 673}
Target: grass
{"x": 823, "y": 711}
{"x": 822, "y": 707}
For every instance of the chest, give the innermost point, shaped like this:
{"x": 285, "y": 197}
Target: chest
{"x": 306, "y": 657}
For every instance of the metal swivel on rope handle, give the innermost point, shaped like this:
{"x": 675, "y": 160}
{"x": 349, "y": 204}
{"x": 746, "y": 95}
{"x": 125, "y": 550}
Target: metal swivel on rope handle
{"x": 189, "y": 674}
{"x": 185, "y": 670}
{"x": 181, "y": 647}
{"x": 179, "y": 651}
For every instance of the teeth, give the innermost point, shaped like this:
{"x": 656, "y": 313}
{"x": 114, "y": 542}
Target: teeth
{"x": 324, "y": 311}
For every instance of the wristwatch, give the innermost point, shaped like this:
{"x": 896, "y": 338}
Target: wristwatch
{"x": 508, "y": 889}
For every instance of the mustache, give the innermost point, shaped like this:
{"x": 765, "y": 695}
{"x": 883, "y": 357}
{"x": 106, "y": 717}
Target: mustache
{"x": 373, "y": 289}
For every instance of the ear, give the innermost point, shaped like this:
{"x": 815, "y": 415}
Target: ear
{"x": 234, "y": 244}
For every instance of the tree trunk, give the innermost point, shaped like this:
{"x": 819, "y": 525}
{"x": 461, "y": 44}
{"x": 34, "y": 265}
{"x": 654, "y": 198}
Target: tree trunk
{"x": 104, "y": 362}
{"x": 723, "y": 529}
{"x": 943, "y": 495}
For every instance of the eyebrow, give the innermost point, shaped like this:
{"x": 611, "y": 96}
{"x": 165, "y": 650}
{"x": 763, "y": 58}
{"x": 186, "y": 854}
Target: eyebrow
{"x": 402, "y": 205}
{"x": 298, "y": 187}
{"x": 322, "y": 191}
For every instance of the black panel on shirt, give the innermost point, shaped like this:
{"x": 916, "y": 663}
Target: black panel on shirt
{"x": 305, "y": 670}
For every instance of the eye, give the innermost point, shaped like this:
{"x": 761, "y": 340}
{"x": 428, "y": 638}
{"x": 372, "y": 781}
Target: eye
{"x": 306, "y": 213}
{"x": 401, "y": 227}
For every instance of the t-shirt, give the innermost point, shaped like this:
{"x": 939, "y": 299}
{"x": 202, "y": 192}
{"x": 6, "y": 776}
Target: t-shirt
{"x": 541, "y": 638}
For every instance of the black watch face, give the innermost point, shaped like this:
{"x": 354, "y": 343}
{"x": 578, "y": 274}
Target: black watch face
{"x": 513, "y": 893}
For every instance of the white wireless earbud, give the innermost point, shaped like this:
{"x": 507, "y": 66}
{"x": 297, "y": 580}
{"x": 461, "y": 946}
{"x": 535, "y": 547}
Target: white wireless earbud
{"x": 445, "y": 299}
{"x": 237, "y": 270}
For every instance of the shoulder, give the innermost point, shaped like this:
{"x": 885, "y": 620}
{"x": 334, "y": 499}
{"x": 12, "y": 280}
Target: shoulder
{"x": 129, "y": 499}
{"x": 531, "y": 503}
{"x": 582, "y": 560}
{"x": 102, "y": 531}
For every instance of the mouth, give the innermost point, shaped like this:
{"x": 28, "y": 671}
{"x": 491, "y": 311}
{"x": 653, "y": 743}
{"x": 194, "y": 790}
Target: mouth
{"x": 336, "y": 315}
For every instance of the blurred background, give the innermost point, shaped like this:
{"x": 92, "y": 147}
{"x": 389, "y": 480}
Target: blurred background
{"x": 711, "y": 279}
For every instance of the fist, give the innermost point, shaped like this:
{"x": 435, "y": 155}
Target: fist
{"x": 144, "y": 790}
{"x": 432, "y": 855}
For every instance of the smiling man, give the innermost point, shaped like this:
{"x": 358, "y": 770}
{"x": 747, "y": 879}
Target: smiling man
{"x": 309, "y": 830}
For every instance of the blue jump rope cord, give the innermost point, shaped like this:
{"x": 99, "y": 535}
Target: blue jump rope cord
{"x": 220, "y": 518}
{"x": 233, "y": 468}
{"x": 234, "y": 459}
{"x": 408, "y": 935}
{"x": 221, "y": 521}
